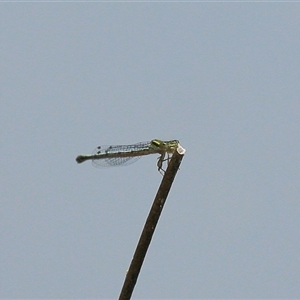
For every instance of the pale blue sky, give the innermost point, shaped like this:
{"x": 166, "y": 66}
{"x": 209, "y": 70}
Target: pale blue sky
{"x": 223, "y": 78}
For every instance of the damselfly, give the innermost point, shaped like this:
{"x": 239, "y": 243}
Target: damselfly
{"x": 123, "y": 155}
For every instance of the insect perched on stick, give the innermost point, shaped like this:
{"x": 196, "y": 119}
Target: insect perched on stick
{"x": 123, "y": 155}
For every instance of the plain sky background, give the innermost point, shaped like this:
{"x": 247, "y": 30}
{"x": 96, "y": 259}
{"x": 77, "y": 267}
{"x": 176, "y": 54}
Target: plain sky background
{"x": 223, "y": 78}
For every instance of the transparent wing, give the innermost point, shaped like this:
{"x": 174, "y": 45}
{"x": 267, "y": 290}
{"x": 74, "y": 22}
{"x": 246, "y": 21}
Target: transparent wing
{"x": 115, "y": 161}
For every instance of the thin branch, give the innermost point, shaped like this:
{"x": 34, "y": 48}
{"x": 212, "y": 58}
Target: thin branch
{"x": 149, "y": 227}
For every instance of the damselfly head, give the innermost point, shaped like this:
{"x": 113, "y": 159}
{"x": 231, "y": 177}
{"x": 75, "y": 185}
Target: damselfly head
{"x": 168, "y": 146}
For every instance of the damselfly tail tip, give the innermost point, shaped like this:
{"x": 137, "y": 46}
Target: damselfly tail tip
{"x": 80, "y": 159}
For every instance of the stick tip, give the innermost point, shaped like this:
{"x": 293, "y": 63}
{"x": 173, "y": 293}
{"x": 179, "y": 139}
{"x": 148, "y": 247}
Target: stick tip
{"x": 180, "y": 149}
